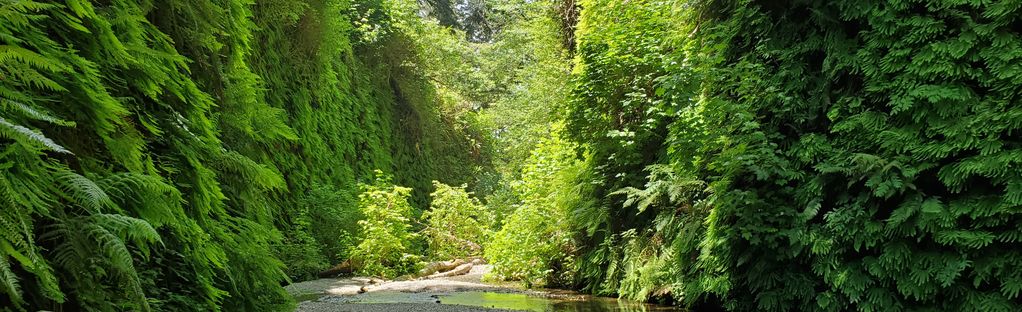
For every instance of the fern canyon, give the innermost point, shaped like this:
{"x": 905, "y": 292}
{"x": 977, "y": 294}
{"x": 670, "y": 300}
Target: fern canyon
{"x": 510, "y": 155}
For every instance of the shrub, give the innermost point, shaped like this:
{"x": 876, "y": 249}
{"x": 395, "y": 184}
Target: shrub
{"x": 541, "y": 222}
{"x": 455, "y": 224}
{"x": 384, "y": 251}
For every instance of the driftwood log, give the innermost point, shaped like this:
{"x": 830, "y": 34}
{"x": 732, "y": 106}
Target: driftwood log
{"x": 461, "y": 269}
{"x": 343, "y": 268}
{"x": 432, "y": 269}
{"x": 440, "y": 266}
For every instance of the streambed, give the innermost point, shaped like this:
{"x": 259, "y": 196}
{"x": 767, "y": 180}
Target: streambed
{"x": 463, "y": 293}
{"x": 533, "y": 301}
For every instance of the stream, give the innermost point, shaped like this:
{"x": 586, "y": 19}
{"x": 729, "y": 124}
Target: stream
{"x": 464, "y": 293}
{"x": 526, "y": 302}
{"x": 515, "y": 301}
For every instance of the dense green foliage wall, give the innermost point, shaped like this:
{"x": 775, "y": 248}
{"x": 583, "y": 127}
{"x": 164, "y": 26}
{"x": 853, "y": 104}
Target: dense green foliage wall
{"x": 357, "y": 106}
{"x": 810, "y": 155}
{"x": 641, "y": 226}
{"x": 753, "y": 155}
{"x": 154, "y": 152}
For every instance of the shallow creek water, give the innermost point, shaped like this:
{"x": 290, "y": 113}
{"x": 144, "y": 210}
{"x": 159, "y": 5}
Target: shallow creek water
{"x": 541, "y": 304}
{"x": 538, "y": 302}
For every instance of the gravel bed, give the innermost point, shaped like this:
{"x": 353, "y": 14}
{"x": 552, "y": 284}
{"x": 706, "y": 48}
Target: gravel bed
{"x": 327, "y": 306}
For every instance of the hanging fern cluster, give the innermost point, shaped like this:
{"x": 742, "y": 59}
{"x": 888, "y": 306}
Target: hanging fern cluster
{"x": 154, "y": 152}
{"x": 111, "y": 166}
{"x": 858, "y": 155}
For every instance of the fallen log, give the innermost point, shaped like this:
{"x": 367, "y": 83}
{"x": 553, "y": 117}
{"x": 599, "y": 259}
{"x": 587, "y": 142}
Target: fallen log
{"x": 460, "y": 270}
{"x": 342, "y": 268}
{"x": 440, "y": 266}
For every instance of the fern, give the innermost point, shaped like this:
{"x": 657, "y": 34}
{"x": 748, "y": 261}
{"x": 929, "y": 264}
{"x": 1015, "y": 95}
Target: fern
{"x": 11, "y": 54}
{"x": 857, "y": 156}
{"x": 665, "y": 187}
{"x": 8, "y": 280}
{"x": 122, "y": 120}
{"x": 28, "y": 137}
{"x": 102, "y": 238}
{"x": 84, "y": 192}
{"x": 37, "y": 113}
{"x": 147, "y": 196}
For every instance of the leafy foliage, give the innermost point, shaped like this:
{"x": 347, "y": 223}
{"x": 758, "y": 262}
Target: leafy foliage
{"x": 548, "y": 189}
{"x": 751, "y": 155}
{"x": 173, "y": 155}
{"x": 633, "y": 232}
{"x": 107, "y": 153}
{"x": 356, "y": 103}
{"x": 643, "y": 262}
{"x": 385, "y": 249}
{"x": 857, "y": 153}
{"x": 326, "y": 205}
{"x": 504, "y": 92}
{"x": 456, "y": 224}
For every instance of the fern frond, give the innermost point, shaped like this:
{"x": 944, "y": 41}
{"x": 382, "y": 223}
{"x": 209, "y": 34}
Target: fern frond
{"x": 24, "y": 75}
{"x": 112, "y": 246}
{"x": 17, "y": 13}
{"x": 84, "y": 240}
{"x": 28, "y": 137}
{"x": 10, "y": 54}
{"x": 149, "y": 197}
{"x": 14, "y": 222}
{"x": 250, "y": 170}
{"x": 663, "y": 187}
{"x": 83, "y": 191}
{"x": 136, "y": 230}
{"x": 9, "y": 281}
{"x": 37, "y": 113}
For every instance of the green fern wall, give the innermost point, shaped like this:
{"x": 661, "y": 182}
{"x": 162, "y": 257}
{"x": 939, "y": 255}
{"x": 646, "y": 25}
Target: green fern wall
{"x": 857, "y": 155}
{"x": 355, "y": 109}
{"x": 185, "y": 155}
{"x": 882, "y": 161}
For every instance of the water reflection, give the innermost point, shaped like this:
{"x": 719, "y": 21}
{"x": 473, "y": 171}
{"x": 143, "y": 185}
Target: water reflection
{"x": 541, "y": 304}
